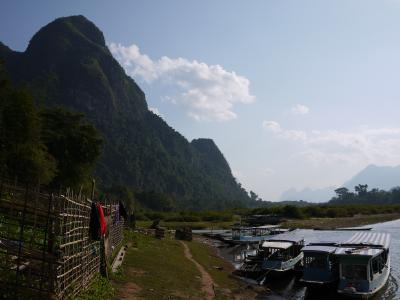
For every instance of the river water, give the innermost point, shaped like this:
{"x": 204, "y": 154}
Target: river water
{"x": 289, "y": 287}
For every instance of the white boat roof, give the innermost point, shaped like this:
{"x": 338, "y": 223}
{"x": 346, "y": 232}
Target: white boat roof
{"x": 319, "y": 248}
{"x": 282, "y": 230}
{"x": 255, "y": 227}
{"x": 358, "y": 251}
{"x": 278, "y": 245}
{"x": 269, "y": 226}
{"x": 374, "y": 239}
{"x": 291, "y": 236}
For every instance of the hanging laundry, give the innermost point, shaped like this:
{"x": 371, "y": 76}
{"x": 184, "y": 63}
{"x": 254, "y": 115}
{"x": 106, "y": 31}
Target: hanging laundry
{"x": 94, "y": 224}
{"x": 114, "y": 214}
{"x": 103, "y": 225}
{"x": 122, "y": 211}
{"x": 117, "y": 219}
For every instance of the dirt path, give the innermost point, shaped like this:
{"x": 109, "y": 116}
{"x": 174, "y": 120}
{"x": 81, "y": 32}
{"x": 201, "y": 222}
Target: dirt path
{"x": 206, "y": 280}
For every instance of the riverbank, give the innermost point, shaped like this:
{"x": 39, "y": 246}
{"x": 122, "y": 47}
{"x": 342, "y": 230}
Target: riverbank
{"x": 194, "y": 225}
{"x": 171, "y": 269}
{"x": 333, "y": 223}
{"x": 311, "y": 223}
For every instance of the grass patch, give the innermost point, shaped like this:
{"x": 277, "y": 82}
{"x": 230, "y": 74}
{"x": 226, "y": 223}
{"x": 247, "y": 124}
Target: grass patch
{"x": 157, "y": 269}
{"x": 100, "y": 288}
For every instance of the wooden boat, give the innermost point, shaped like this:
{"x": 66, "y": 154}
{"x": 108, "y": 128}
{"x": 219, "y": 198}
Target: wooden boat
{"x": 251, "y": 268}
{"x": 342, "y": 229}
{"x": 282, "y": 252}
{"x": 280, "y": 230}
{"x": 354, "y": 229}
{"x": 247, "y": 235}
{"x": 320, "y": 265}
{"x": 364, "y": 264}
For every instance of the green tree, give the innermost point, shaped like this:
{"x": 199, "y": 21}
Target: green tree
{"x": 23, "y": 155}
{"x": 5, "y": 89}
{"x": 361, "y": 189}
{"x": 124, "y": 194}
{"x": 291, "y": 211}
{"x": 156, "y": 201}
{"x": 253, "y": 196}
{"x": 73, "y": 142}
{"x": 342, "y": 192}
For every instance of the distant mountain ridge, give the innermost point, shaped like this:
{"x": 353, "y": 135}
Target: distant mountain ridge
{"x": 309, "y": 195}
{"x": 67, "y": 63}
{"x": 380, "y": 177}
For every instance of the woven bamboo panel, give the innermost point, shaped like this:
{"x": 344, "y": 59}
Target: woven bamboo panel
{"x": 45, "y": 248}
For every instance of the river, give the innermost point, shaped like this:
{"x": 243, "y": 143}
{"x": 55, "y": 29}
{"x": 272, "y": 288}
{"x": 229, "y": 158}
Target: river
{"x": 289, "y": 286}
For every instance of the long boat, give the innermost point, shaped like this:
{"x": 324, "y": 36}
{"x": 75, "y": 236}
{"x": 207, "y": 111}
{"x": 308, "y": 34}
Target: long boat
{"x": 320, "y": 265}
{"x": 248, "y": 235}
{"x": 364, "y": 264}
{"x": 282, "y": 252}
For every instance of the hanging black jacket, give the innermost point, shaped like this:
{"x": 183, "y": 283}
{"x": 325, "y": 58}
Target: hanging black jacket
{"x": 94, "y": 225}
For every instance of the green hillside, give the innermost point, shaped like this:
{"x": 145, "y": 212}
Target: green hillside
{"x": 68, "y": 64}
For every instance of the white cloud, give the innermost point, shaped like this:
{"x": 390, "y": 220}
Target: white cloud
{"x": 237, "y": 174}
{"x": 300, "y": 109}
{"x": 206, "y": 92}
{"x": 274, "y": 127}
{"x": 379, "y": 145}
{"x": 155, "y": 110}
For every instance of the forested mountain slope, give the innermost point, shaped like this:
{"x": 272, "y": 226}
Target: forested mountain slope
{"x": 68, "y": 64}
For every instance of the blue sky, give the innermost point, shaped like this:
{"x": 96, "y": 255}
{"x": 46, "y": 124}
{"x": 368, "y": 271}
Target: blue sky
{"x": 295, "y": 93}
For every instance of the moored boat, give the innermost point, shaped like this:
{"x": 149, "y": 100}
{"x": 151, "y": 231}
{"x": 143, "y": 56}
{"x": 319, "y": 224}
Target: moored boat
{"x": 320, "y": 265}
{"x": 248, "y": 235}
{"x": 282, "y": 252}
{"x": 364, "y": 264}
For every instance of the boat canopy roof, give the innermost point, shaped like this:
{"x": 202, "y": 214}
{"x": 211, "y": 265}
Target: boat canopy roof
{"x": 278, "y": 245}
{"x": 292, "y": 236}
{"x": 319, "y": 248}
{"x": 370, "y": 252}
{"x": 371, "y": 239}
{"x": 268, "y": 226}
{"x": 281, "y": 230}
{"x": 239, "y": 227}
{"x": 325, "y": 243}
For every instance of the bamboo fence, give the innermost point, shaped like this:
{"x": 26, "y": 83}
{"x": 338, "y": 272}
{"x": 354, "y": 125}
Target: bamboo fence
{"x": 45, "y": 248}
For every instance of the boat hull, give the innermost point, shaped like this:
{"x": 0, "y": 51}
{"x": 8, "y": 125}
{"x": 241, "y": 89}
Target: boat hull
{"x": 249, "y": 239}
{"x": 373, "y": 287}
{"x": 319, "y": 284}
{"x": 281, "y": 266}
{"x": 319, "y": 277}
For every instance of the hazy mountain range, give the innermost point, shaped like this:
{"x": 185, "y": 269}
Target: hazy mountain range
{"x": 308, "y": 194}
{"x": 381, "y": 177}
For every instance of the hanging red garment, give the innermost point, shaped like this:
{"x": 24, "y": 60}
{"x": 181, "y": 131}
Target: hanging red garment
{"x": 103, "y": 224}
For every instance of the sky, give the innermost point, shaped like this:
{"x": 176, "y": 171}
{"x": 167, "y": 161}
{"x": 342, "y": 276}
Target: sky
{"x": 295, "y": 93}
